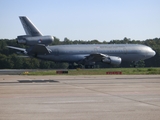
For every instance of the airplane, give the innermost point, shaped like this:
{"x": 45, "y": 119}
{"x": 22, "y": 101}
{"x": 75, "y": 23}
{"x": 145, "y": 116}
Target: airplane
{"x": 87, "y": 54}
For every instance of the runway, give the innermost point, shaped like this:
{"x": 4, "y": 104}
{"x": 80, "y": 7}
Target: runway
{"x": 64, "y": 97}
{"x": 14, "y": 71}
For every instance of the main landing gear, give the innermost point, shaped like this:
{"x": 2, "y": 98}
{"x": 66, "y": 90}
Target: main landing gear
{"x": 135, "y": 64}
{"x": 72, "y": 66}
{"x": 89, "y": 66}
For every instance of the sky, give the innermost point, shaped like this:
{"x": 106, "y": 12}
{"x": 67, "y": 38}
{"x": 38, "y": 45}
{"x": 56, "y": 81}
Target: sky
{"x": 103, "y": 20}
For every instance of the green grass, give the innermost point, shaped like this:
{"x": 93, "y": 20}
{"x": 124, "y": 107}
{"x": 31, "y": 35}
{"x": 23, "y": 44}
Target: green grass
{"x": 125, "y": 71}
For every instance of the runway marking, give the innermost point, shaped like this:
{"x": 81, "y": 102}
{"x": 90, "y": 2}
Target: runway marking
{"x": 139, "y": 101}
{"x": 65, "y": 102}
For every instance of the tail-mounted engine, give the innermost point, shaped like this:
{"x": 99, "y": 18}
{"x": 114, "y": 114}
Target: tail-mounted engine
{"x": 28, "y": 40}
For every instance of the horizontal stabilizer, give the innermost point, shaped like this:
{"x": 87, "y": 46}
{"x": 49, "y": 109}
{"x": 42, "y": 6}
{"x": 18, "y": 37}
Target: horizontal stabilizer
{"x": 24, "y": 56}
{"x": 22, "y": 50}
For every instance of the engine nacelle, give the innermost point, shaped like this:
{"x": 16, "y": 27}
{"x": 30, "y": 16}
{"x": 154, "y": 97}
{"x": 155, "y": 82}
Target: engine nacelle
{"x": 112, "y": 60}
{"x": 28, "y": 40}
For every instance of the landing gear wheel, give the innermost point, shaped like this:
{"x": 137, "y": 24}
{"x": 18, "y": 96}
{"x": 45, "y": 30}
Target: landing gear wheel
{"x": 89, "y": 66}
{"x": 72, "y": 66}
{"x": 135, "y": 64}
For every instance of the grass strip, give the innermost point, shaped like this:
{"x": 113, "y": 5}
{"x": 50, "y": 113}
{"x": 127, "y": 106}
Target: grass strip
{"x": 125, "y": 71}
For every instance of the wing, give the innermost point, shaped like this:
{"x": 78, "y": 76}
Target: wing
{"x": 99, "y": 57}
{"x": 95, "y": 57}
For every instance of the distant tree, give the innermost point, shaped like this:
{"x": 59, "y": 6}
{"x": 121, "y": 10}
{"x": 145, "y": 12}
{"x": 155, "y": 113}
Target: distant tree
{"x": 16, "y": 61}
{"x": 141, "y": 63}
{"x": 5, "y": 62}
{"x": 67, "y": 41}
{"x": 56, "y": 41}
{"x": 126, "y": 40}
{"x": 95, "y": 42}
{"x": 44, "y": 64}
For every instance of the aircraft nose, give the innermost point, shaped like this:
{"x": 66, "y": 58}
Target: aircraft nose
{"x": 151, "y": 53}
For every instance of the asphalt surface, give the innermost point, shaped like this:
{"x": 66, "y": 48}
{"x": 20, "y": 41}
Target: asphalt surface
{"x": 14, "y": 71}
{"x": 64, "y": 97}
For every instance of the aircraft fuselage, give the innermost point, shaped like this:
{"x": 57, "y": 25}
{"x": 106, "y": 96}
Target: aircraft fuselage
{"x": 75, "y": 53}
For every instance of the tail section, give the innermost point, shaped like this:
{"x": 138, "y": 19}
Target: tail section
{"x": 29, "y": 27}
{"x": 33, "y": 35}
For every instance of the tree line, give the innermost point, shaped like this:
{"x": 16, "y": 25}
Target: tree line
{"x": 10, "y": 60}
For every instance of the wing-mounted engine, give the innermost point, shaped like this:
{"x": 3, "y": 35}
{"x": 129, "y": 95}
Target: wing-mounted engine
{"x": 112, "y": 60}
{"x": 31, "y": 41}
{"x": 92, "y": 58}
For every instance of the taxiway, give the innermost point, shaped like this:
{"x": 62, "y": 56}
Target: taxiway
{"x": 64, "y": 97}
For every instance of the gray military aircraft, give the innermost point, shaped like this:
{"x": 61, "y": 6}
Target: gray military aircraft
{"x": 87, "y": 55}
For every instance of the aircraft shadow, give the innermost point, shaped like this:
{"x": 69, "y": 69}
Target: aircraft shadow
{"x": 36, "y": 81}
{"x": 32, "y": 81}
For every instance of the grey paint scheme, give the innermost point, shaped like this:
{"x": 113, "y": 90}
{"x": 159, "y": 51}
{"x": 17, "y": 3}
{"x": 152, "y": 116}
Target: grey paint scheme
{"x": 75, "y": 53}
{"x": 29, "y": 27}
{"x": 86, "y": 54}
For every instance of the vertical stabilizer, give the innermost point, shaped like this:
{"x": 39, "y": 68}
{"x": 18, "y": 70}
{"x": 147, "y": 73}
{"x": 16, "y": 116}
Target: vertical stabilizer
{"x": 29, "y": 27}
